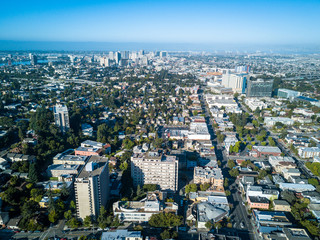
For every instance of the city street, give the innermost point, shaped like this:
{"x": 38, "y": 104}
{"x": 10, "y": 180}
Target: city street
{"x": 239, "y": 217}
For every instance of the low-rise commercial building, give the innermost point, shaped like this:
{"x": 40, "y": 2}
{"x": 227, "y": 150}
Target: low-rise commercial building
{"x": 281, "y": 205}
{"x": 70, "y": 159}
{"x": 287, "y": 93}
{"x": 122, "y": 234}
{"x": 141, "y": 211}
{"x": 57, "y": 170}
{"x": 91, "y": 148}
{"x": 296, "y": 187}
{"x": 258, "y": 202}
{"x": 271, "y": 121}
{"x": 208, "y": 175}
{"x": 209, "y": 212}
{"x": 264, "y": 151}
{"x": 287, "y": 234}
{"x": 260, "y": 191}
{"x": 270, "y": 221}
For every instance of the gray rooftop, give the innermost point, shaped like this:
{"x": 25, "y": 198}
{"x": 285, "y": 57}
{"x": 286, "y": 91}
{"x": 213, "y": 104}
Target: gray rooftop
{"x": 97, "y": 164}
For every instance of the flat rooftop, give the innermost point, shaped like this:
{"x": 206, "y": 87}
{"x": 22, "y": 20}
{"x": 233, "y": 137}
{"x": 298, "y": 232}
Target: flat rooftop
{"x": 98, "y": 164}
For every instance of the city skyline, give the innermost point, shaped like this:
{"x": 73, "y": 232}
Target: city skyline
{"x": 203, "y": 22}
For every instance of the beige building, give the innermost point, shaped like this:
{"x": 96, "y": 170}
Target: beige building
{"x": 281, "y": 205}
{"x": 154, "y": 167}
{"x": 208, "y": 175}
{"x": 92, "y": 187}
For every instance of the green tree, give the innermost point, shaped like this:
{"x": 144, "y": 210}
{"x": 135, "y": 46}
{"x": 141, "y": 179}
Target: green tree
{"x": 128, "y": 144}
{"x": 226, "y": 182}
{"x": 103, "y": 218}
{"x": 123, "y": 166}
{"x": 234, "y": 172}
{"x": 209, "y": 225}
{"x": 64, "y": 190}
{"x": 72, "y": 205}
{"x": 205, "y": 186}
{"x": 255, "y": 123}
{"x": 221, "y": 137}
{"x": 29, "y": 209}
{"x": 231, "y": 164}
{"x": 150, "y": 187}
{"x": 165, "y": 234}
{"x": 53, "y": 216}
{"x": 73, "y": 223}
{"x": 191, "y": 188}
{"x": 87, "y": 221}
{"x": 262, "y": 174}
{"x": 165, "y": 220}
{"x": 230, "y": 149}
{"x": 20, "y": 133}
{"x": 217, "y": 225}
{"x": 68, "y": 214}
{"x": 313, "y": 181}
{"x": 33, "y": 173}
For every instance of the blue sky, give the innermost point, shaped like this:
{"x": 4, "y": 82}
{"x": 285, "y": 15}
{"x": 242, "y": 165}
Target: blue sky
{"x": 224, "y": 21}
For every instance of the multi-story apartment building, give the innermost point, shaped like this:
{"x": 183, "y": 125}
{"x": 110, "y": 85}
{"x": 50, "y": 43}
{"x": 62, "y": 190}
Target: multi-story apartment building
{"x": 309, "y": 152}
{"x": 92, "y": 187}
{"x": 61, "y": 117}
{"x": 154, "y": 167}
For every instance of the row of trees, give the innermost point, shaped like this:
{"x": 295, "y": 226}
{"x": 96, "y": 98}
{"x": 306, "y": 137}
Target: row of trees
{"x": 192, "y": 187}
{"x": 299, "y": 210}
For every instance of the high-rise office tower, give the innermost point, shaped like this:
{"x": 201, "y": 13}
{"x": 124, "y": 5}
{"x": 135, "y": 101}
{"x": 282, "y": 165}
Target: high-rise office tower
{"x": 61, "y": 117}
{"x": 91, "y": 187}
{"x": 154, "y": 167}
{"x": 105, "y": 62}
{"x": 141, "y": 52}
{"x": 259, "y": 88}
{"x": 163, "y": 54}
{"x": 236, "y": 81}
{"x": 33, "y": 59}
{"x": 117, "y": 57}
{"x": 124, "y": 54}
{"x": 111, "y": 55}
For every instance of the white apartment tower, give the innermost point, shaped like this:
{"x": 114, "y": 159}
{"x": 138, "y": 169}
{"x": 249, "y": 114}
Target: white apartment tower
{"x": 154, "y": 167}
{"x": 61, "y": 117}
{"x": 91, "y": 187}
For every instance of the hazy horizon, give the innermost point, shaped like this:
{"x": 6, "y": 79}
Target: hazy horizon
{"x": 7, "y": 45}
